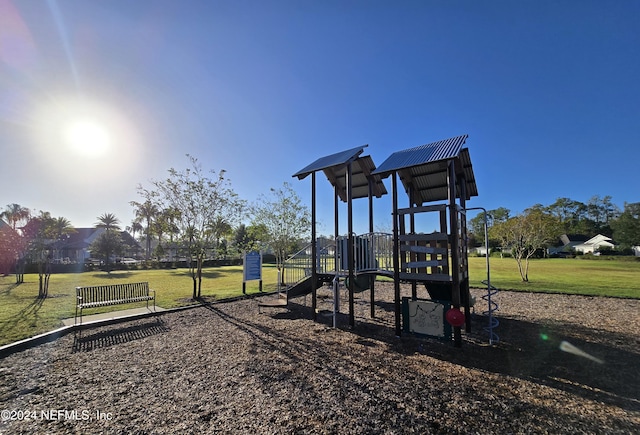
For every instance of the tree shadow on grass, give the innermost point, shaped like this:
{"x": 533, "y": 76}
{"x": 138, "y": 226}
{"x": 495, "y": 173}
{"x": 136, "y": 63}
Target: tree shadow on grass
{"x": 29, "y": 311}
{"x": 208, "y": 273}
{"x": 7, "y": 290}
{"x": 15, "y": 323}
{"x": 114, "y": 275}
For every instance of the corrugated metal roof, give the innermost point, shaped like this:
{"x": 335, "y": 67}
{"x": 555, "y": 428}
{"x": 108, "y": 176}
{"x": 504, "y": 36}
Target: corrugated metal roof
{"x": 341, "y": 158}
{"x": 335, "y": 168}
{"x": 429, "y": 181}
{"x": 423, "y": 170}
{"x": 361, "y": 170}
{"x": 433, "y": 152}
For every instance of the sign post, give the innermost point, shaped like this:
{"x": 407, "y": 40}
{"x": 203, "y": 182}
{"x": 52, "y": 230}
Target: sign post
{"x": 252, "y": 269}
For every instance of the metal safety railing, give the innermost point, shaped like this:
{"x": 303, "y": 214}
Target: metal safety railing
{"x": 372, "y": 252}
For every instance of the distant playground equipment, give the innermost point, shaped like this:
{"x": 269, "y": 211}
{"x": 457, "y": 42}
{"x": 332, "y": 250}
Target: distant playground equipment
{"x": 436, "y": 172}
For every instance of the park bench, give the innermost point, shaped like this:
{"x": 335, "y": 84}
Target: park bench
{"x": 115, "y": 294}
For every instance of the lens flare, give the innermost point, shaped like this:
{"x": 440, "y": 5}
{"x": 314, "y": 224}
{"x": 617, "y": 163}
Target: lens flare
{"x": 565, "y": 346}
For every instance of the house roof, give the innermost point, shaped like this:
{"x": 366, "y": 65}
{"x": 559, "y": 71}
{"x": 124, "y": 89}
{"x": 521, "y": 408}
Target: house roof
{"x": 129, "y": 240}
{"x": 423, "y": 170}
{"x": 599, "y": 239}
{"x": 573, "y": 238}
{"x": 82, "y": 238}
{"x": 78, "y": 239}
{"x": 335, "y": 166}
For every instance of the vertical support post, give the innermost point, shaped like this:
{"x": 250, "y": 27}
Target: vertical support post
{"x": 396, "y": 253}
{"x": 464, "y": 252}
{"x": 455, "y": 253}
{"x": 372, "y": 252}
{"x": 444, "y": 229}
{"x": 314, "y": 249}
{"x": 350, "y": 245}
{"x": 338, "y": 260}
{"x": 412, "y": 254}
{"x": 370, "y": 205}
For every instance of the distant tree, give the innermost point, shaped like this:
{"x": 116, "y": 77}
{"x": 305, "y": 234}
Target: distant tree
{"x": 201, "y": 202}
{"x": 107, "y": 244}
{"x": 169, "y": 218}
{"x": 496, "y": 216}
{"x": 249, "y": 238}
{"x": 220, "y": 229}
{"x": 146, "y": 212}
{"x": 42, "y": 233}
{"x": 525, "y": 234}
{"x": 15, "y": 213}
{"x": 135, "y": 228}
{"x": 626, "y": 228}
{"x": 110, "y": 223}
{"x": 569, "y": 214}
{"x": 285, "y": 220}
{"x": 61, "y": 228}
{"x": 12, "y": 252}
{"x": 601, "y": 211}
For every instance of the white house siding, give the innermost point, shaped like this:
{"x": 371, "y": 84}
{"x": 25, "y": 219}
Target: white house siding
{"x": 594, "y": 244}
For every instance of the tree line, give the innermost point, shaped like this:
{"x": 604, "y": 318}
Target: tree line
{"x": 539, "y": 227}
{"x": 190, "y": 214}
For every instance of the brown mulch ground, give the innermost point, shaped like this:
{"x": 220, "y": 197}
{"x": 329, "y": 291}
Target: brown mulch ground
{"x": 224, "y": 368}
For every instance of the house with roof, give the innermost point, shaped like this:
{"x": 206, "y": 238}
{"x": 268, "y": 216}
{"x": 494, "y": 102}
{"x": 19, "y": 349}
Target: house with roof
{"x": 76, "y": 246}
{"x": 595, "y": 244}
{"x": 581, "y": 243}
{"x": 75, "y": 249}
{"x": 567, "y": 244}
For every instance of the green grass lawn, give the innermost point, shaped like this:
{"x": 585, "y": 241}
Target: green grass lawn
{"x": 23, "y": 315}
{"x": 562, "y": 275}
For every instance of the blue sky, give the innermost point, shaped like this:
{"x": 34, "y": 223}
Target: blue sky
{"x": 548, "y": 92}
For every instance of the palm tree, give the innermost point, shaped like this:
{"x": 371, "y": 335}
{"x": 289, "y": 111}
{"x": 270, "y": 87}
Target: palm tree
{"x": 60, "y": 227}
{"x": 170, "y": 216}
{"x": 146, "y": 211}
{"x": 109, "y": 222}
{"x": 135, "y": 228}
{"x": 15, "y": 213}
{"x": 219, "y": 229}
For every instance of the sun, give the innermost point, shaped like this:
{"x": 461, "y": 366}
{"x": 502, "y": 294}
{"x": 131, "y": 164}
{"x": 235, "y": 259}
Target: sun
{"x": 87, "y": 137}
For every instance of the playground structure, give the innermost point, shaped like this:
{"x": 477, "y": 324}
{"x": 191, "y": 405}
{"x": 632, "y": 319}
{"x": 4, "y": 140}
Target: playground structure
{"x": 437, "y": 172}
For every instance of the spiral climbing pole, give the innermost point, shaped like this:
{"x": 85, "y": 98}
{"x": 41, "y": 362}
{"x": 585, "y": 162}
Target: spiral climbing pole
{"x": 492, "y": 306}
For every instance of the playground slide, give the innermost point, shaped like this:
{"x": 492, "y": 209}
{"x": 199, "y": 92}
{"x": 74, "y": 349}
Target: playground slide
{"x": 304, "y": 287}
